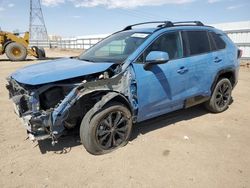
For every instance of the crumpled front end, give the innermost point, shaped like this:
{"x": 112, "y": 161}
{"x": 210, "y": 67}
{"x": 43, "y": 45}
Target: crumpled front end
{"x": 27, "y": 107}
{"x": 48, "y": 110}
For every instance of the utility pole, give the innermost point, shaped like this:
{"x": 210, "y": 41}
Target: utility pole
{"x": 37, "y": 28}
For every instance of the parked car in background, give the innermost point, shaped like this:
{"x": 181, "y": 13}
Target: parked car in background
{"x": 131, "y": 76}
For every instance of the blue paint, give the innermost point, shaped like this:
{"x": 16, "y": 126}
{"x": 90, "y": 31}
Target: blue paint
{"x": 152, "y": 92}
{"x": 165, "y": 87}
{"x": 57, "y": 70}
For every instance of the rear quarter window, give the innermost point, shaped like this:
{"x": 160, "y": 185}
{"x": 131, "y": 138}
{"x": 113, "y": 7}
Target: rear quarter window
{"x": 219, "y": 43}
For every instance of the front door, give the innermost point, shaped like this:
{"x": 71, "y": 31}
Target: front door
{"x": 162, "y": 88}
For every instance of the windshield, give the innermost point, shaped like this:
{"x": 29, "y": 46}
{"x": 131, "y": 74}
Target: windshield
{"x": 115, "y": 48}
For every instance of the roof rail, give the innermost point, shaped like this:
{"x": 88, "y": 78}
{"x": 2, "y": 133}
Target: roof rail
{"x": 198, "y": 23}
{"x": 164, "y": 24}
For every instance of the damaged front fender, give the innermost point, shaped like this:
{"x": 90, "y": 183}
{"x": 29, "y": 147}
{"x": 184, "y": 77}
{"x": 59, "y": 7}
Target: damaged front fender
{"x": 120, "y": 87}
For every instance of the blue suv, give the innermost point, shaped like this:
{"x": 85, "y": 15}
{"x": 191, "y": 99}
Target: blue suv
{"x": 131, "y": 76}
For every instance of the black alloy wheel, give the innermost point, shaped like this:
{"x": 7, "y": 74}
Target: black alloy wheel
{"x": 221, "y": 97}
{"x": 223, "y": 94}
{"x": 112, "y": 130}
{"x": 107, "y": 129}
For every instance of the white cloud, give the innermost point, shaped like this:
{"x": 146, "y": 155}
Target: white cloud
{"x": 234, "y": 7}
{"x": 11, "y": 5}
{"x": 214, "y": 1}
{"x": 115, "y": 3}
{"x": 2, "y": 9}
{"x": 76, "y": 16}
{"x": 52, "y": 2}
{"x": 126, "y": 3}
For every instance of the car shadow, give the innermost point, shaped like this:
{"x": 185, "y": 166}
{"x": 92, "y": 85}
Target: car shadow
{"x": 65, "y": 143}
{"x": 47, "y": 58}
{"x": 16, "y": 61}
{"x": 72, "y": 139}
{"x": 167, "y": 120}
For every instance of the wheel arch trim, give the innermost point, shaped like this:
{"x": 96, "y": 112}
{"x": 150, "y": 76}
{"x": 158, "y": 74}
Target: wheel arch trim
{"x": 228, "y": 70}
{"x": 112, "y": 96}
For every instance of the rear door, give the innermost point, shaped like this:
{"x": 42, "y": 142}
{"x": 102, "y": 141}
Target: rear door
{"x": 197, "y": 52}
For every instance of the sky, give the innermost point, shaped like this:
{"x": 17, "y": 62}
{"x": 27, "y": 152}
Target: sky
{"x": 71, "y": 18}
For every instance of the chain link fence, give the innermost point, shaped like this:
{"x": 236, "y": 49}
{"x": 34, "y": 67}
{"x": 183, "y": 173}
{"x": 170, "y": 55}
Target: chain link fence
{"x": 67, "y": 43}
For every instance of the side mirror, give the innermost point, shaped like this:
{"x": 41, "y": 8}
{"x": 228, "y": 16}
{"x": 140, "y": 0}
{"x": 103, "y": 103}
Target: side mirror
{"x": 156, "y": 57}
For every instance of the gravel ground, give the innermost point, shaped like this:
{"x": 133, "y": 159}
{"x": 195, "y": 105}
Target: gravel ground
{"x": 187, "y": 148}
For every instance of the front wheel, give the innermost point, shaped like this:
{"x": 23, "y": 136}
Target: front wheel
{"x": 106, "y": 130}
{"x": 221, "y": 96}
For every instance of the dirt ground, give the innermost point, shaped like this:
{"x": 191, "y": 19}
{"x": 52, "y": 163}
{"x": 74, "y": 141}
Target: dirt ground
{"x": 188, "y": 148}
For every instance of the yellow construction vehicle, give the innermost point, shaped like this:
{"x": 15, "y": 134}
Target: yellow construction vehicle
{"x": 17, "y": 47}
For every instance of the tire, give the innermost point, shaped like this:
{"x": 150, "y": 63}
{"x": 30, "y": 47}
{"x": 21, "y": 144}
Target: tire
{"x": 221, "y": 97}
{"x": 39, "y": 51}
{"x": 16, "y": 51}
{"x": 42, "y": 51}
{"x": 100, "y": 137}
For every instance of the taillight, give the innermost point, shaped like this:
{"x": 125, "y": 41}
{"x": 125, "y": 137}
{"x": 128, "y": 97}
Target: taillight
{"x": 239, "y": 54}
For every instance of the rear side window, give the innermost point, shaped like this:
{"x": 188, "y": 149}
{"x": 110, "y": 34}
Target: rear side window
{"x": 217, "y": 40}
{"x": 196, "y": 42}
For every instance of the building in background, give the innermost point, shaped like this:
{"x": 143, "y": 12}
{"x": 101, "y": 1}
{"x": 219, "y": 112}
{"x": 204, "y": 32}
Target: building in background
{"x": 55, "y": 37}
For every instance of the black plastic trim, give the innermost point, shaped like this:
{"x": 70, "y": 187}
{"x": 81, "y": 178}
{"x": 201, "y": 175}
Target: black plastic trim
{"x": 195, "y": 100}
{"x": 230, "y": 70}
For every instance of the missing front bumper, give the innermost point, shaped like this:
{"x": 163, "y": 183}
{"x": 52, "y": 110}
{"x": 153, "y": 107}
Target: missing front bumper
{"x": 34, "y": 131}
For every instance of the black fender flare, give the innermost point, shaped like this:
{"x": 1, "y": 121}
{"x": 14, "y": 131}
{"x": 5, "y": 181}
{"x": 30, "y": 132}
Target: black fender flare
{"x": 110, "y": 96}
{"x": 230, "y": 70}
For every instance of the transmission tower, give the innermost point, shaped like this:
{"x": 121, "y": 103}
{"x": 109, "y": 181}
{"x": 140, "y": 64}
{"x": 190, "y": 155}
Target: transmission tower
{"x": 37, "y": 26}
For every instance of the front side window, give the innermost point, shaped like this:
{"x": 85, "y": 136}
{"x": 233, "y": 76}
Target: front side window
{"x": 115, "y": 48}
{"x": 169, "y": 42}
{"x": 196, "y": 42}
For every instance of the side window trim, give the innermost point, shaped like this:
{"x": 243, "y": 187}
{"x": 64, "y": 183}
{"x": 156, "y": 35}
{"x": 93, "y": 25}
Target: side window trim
{"x": 212, "y": 42}
{"x": 186, "y": 46}
{"x": 181, "y": 43}
{"x": 209, "y": 41}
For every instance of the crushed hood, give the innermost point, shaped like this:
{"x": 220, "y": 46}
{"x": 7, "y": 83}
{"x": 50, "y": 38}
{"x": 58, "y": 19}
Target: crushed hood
{"x": 57, "y": 70}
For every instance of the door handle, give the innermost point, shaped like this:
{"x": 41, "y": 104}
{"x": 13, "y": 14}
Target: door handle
{"x": 182, "y": 70}
{"x": 217, "y": 60}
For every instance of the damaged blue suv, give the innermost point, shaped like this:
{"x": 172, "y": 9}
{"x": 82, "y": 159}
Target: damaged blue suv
{"x": 131, "y": 76}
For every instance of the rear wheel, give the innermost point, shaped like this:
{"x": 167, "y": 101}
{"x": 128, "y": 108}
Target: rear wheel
{"x": 106, "y": 130}
{"x": 221, "y": 96}
{"x": 16, "y": 52}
